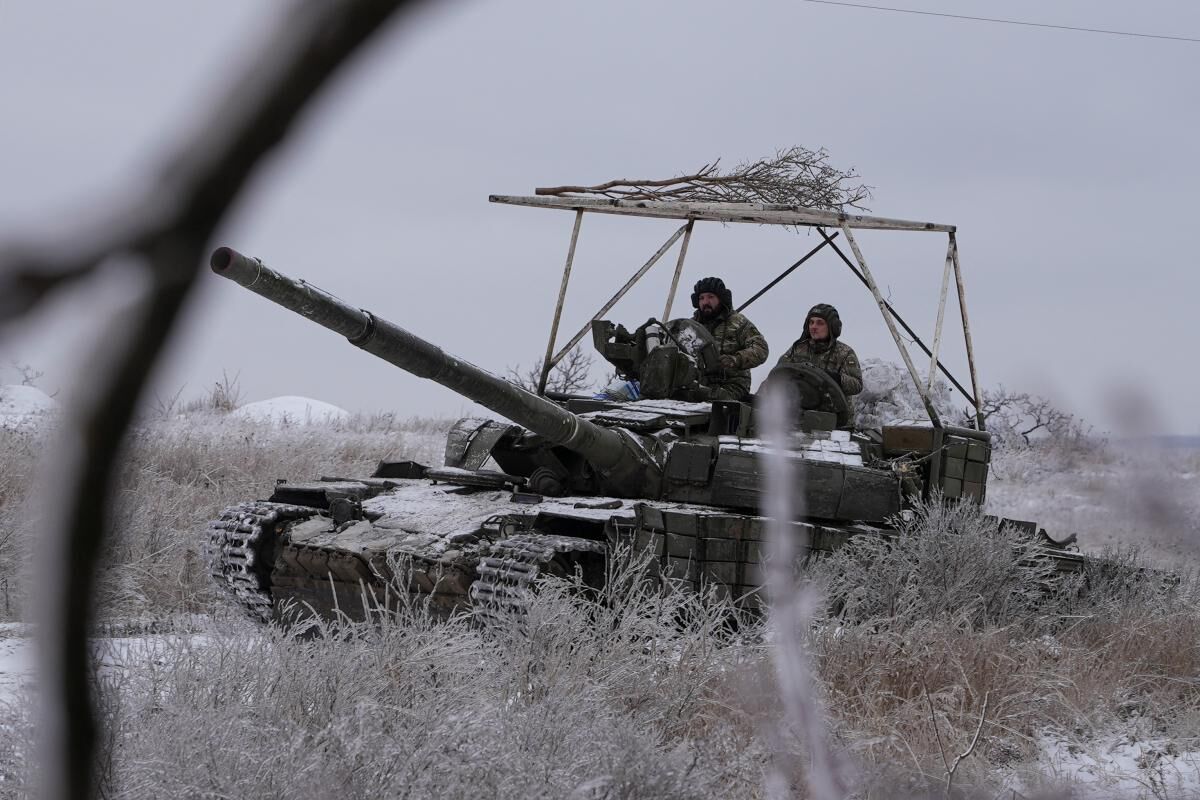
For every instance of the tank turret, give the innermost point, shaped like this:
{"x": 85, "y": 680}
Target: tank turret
{"x": 653, "y": 449}
{"x": 659, "y": 449}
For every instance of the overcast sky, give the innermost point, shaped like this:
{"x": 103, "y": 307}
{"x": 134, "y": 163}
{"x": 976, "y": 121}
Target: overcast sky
{"x": 1068, "y": 160}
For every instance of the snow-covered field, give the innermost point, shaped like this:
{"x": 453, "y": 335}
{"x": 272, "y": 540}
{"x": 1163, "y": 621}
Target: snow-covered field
{"x": 1133, "y": 760}
{"x": 24, "y": 407}
{"x": 1129, "y": 494}
{"x": 1107, "y": 703}
{"x": 16, "y": 660}
{"x": 1138, "y": 494}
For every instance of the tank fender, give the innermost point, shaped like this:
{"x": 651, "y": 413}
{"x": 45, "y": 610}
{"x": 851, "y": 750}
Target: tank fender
{"x": 470, "y": 441}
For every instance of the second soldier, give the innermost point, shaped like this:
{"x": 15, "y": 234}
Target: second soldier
{"x": 819, "y": 346}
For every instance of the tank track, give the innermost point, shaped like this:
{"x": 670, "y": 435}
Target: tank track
{"x": 234, "y": 547}
{"x": 504, "y": 587}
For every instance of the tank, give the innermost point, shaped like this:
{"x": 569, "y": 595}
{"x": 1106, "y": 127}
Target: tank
{"x": 559, "y": 482}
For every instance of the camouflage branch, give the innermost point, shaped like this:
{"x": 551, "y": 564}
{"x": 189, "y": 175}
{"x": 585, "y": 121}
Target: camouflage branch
{"x": 794, "y": 176}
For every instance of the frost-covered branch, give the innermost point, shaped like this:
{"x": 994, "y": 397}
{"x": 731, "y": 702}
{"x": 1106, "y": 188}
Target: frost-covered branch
{"x": 951, "y": 769}
{"x": 162, "y": 232}
{"x": 1018, "y": 418}
{"x": 791, "y": 613}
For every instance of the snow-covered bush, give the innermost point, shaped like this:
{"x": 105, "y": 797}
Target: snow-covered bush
{"x": 1031, "y": 437}
{"x": 889, "y": 394}
{"x": 954, "y": 633}
{"x": 1023, "y": 423}
{"x": 948, "y": 561}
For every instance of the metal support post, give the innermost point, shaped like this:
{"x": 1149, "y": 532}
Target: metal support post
{"x": 887, "y": 317}
{"x": 907, "y": 328}
{"x": 941, "y": 315}
{"x": 962, "y": 310}
{"x": 612, "y": 301}
{"x": 687, "y": 237}
{"x": 562, "y": 296}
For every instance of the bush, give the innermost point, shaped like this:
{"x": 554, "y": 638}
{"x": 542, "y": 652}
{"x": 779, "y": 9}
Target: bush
{"x": 958, "y": 626}
{"x": 888, "y": 395}
{"x": 947, "y": 562}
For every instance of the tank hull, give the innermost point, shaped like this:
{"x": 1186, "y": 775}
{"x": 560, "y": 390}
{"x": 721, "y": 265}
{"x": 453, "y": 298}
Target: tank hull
{"x": 451, "y": 547}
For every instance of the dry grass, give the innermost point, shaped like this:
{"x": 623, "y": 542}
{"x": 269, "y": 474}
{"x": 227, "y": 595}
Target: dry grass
{"x": 957, "y": 626}
{"x": 176, "y": 475}
{"x": 19, "y": 452}
{"x": 951, "y": 630}
{"x": 603, "y": 694}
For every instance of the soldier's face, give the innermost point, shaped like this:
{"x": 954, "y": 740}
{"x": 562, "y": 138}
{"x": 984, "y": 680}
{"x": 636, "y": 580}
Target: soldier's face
{"x": 818, "y": 329}
{"x": 709, "y": 303}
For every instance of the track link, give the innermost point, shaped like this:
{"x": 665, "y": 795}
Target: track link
{"x": 506, "y": 575}
{"x": 235, "y": 548}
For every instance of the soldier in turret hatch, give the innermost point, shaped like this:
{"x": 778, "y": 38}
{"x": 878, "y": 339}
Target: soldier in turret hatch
{"x": 739, "y": 344}
{"x": 819, "y": 346}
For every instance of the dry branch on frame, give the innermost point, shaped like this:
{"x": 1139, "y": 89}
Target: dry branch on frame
{"x": 794, "y": 176}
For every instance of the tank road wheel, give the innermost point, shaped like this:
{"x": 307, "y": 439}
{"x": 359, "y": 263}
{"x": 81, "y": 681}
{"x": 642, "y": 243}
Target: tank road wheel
{"x": 506, "y": 575}
{"x": 241, "y": 551}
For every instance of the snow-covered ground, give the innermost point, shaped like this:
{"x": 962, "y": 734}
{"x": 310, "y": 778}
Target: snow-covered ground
{"x": 1127, "y": 763}
{"x": 1128, "y": 495}
{"x": 24, "y": 407}
{"x": 16, "y": 660}
{"x": 18, "y": 657}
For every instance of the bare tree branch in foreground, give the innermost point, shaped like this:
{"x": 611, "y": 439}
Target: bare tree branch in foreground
{"x": 164, "y": 233}
{"x": 795, "y": 176}
{"x": 790, "y": 609}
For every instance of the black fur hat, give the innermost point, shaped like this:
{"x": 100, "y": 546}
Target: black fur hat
{"x": 831, "y": 317}
{"x": 714, "y": 286}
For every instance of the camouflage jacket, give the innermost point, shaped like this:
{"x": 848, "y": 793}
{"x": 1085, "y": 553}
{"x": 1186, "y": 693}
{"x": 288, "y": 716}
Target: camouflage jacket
{"x": 839, "y": 360}
{"x": 734, "y": 336}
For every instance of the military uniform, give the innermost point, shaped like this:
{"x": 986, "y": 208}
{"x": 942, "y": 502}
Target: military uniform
{"x": 735, "y": 336}
{"x": 836, "y": 358}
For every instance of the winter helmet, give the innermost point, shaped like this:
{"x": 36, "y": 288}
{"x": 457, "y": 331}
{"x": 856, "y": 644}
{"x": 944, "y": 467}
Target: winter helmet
{"x": 827, "y": 313}
{"x": 715, "y": 286}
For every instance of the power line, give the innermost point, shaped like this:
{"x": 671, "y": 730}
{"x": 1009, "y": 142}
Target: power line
{"x": 1004, "y": 21}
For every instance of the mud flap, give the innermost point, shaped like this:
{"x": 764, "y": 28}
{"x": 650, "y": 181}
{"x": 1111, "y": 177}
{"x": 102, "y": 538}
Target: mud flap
{"x": 470, "y": 441}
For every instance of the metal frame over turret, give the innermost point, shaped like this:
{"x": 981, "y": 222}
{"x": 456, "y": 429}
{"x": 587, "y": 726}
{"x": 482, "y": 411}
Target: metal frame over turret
{"x": 766, "y": 214}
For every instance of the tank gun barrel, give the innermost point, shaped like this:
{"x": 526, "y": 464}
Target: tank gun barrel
{"x": 605, "y": 448}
